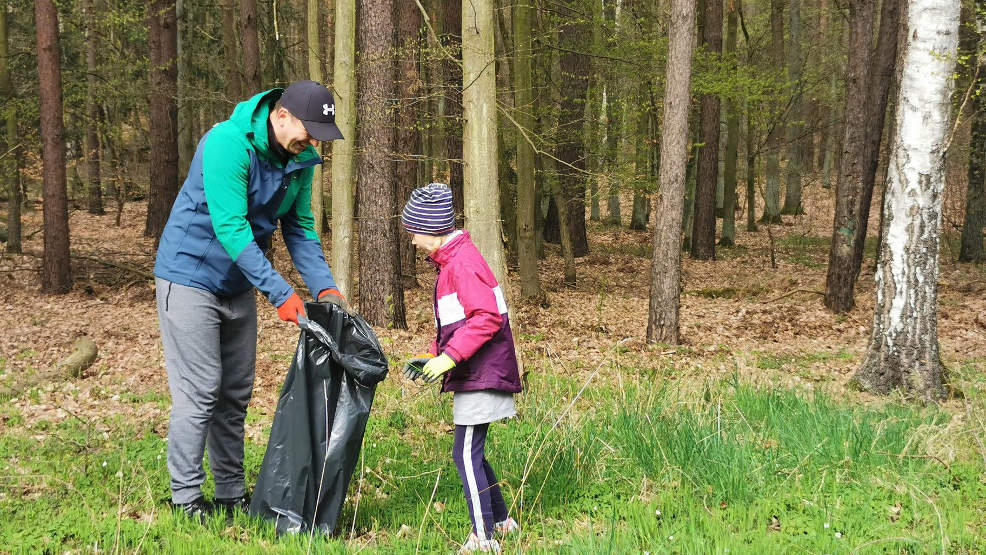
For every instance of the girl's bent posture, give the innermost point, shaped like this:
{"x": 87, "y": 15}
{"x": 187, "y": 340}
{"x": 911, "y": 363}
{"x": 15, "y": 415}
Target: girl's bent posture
{"x": 473, "y": 353}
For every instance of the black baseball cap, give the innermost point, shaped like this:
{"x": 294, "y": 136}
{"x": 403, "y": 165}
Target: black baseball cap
{"x": 313, "y": 104}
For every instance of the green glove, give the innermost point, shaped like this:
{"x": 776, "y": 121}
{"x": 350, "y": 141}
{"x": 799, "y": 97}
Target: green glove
{"x": 438, "y": 366}
{"x": 413, "y": 367}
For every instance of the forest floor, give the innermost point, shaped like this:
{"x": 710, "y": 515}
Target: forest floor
{"x": 749, "y": 330}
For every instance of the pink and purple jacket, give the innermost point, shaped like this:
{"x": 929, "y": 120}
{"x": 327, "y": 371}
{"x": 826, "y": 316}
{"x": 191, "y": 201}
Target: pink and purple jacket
{"x": 472, "y": 322}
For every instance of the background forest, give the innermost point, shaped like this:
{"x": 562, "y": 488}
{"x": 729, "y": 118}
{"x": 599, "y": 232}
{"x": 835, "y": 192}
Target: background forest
{"x": 743, "y": 325}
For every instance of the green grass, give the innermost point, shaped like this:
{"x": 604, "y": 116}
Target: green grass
{"x": 632, "y": 468}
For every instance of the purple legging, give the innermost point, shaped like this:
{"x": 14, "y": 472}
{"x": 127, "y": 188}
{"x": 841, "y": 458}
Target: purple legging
{"x": 483, "y": 496}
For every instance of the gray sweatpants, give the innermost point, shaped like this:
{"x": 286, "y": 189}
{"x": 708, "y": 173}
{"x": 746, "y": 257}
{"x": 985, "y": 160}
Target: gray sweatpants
{"x": 210, "y": 350}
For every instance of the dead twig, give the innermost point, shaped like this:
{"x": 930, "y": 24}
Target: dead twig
{"x": 789, "y": 293}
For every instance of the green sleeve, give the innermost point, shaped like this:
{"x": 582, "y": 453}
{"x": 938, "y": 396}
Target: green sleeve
{"x": 225, "y": 165}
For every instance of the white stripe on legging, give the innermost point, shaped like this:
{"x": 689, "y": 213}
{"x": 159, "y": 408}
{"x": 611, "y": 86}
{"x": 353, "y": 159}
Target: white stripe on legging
{"x": 477, "y": 508}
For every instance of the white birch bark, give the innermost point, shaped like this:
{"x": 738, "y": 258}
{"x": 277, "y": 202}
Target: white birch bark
{"x": 903, "y": 350}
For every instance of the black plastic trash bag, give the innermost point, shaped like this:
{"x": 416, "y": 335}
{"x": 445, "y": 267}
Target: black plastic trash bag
{"x": 318, "y": 427}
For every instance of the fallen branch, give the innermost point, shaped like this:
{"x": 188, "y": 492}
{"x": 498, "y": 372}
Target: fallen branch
{"x": 789, "y": 293}
{"x": 82, "y": 357}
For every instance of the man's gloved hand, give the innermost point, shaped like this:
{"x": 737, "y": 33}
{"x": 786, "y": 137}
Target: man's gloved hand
{"x": 437, "y": 366}
{"x": 335, "y": 297}
{"x": 291, "y": 308}
{"x": 414, "y": 365}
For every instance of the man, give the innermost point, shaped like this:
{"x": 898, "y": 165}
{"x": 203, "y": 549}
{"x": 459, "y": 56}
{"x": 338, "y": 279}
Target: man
{"x": 249, "y": 173}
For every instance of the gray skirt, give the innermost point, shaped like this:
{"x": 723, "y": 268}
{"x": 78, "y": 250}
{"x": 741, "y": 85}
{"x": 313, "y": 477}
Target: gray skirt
{"x": 470, "y": 408}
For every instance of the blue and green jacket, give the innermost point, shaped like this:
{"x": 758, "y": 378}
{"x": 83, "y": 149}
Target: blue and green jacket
{"x": 234, "y": 196}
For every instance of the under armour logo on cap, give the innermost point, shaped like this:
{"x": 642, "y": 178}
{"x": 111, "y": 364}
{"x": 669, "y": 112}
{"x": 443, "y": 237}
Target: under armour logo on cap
{"x": 314, "y": 105}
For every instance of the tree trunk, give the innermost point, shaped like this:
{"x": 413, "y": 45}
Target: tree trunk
{"x": 704, "y": 231}
{"x": 163, "y": 42}
{"x": 251, "y": 47}
{"x": 640, "y": 212}
{"x": 92, "y": 115}
{"x": 571, "y": 151}
{"x": 903, "y": 350}
{"x": 772, "y": 195}
{"x": 971, "y": 245}
{"x": 795, "y": 146}
{"x": 728, "y": 237}
{"x": 187, "y": 109}
{"x": 56, "y": 270}
{"x": 840, "y": 279}
{"x": 834, "y": 128}
{"x": 452, "y": 72}
{"x": 751, "y": 153}
{"x": 665, "y": 271}
{"x": 409, "y": 89}
{"x": 479, "y": 136}
{"x": 312, "y": 21}
{"x": 527, "y": 201}
{"x": 344, "y": 81}
{"x": 231, "y": 58}
{"x": 12, "y": 165}
{"x": 595, "y": 110}
{"x": 381, "y": 295}
{"x": 881, "y": 77}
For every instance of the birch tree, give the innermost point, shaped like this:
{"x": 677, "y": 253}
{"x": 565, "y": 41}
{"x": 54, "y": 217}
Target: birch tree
{"x": 665, "y": 271}
{"x": 903, "y": 350}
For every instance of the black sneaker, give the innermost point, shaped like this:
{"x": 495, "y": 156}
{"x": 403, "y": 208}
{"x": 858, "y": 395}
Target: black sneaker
{"x": 197, "y": 509}
{"x": 230, "y": 504}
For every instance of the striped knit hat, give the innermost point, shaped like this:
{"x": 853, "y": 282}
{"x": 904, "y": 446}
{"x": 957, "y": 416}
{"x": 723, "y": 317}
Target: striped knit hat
{"x": 429, "y": 210}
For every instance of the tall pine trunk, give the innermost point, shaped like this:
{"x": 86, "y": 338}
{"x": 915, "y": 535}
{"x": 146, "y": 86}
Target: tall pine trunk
{"x": 840, "y": 280}
{"x": 409, "y": 90}
{"x": 452, "y": 72}
{"x": 795, "y": 127}
{"x": 704, "y": 231}
{"x": 343, "y": 158}
{"x": 971, "y": 245}
{"x": 163, "y": 42}
{"x": 231, "y": 57}
{"x": 527, "y": 202}
{"x": 772, "y": 194}
{"x": 92, "y": 114}
{"x": 881, "y": 77}
{"x": 56, "y": 269}
{"x": 381, "y": 294}
{"x": 665, "y": 270}
{"x": 903, "y": 350}
{"x": 574, "y": 69}
{"x": 11, "y": 166}
{"x": 728, "y": 237}
{"x": 314, "y": 57}
{"x": 251, "y": 47}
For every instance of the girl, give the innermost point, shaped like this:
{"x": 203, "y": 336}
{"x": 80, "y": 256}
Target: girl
{"x": 473, "y": 353}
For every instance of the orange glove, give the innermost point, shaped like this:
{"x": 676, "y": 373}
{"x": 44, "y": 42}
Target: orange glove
{"x": 326, "y": 296}
{"x": 291, "y": 308}
{"x": 335, "y": 297}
